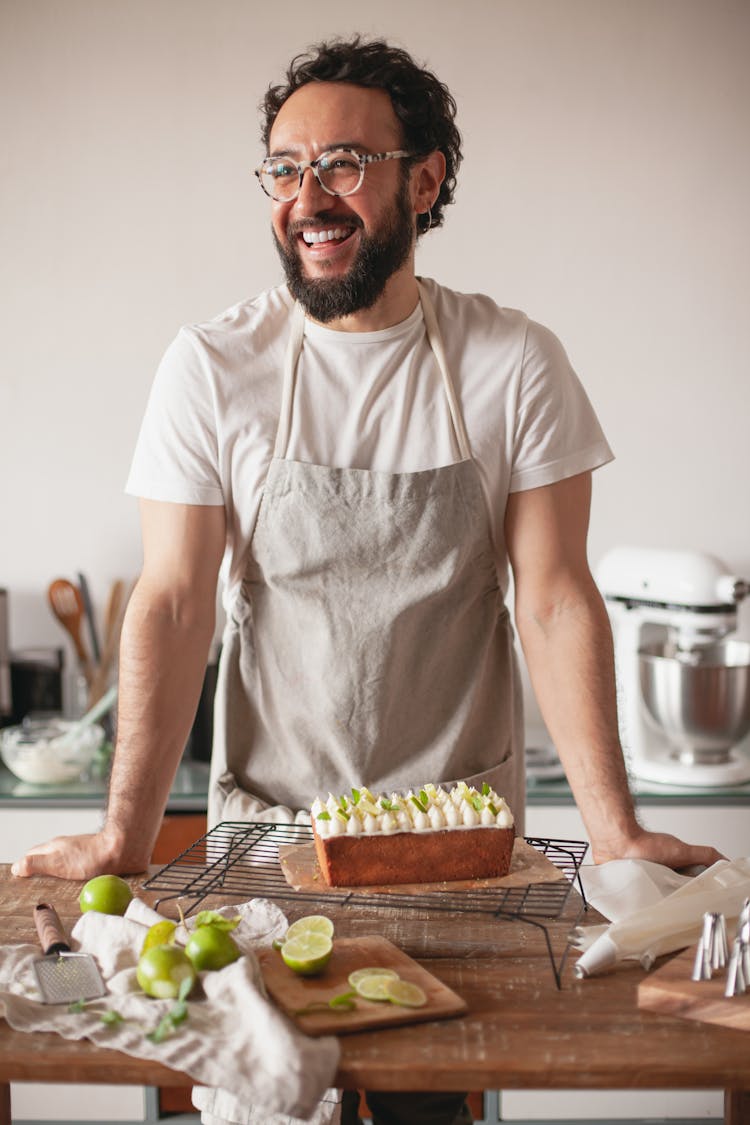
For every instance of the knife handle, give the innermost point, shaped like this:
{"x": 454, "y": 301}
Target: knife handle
{"x": 50, "y": 929}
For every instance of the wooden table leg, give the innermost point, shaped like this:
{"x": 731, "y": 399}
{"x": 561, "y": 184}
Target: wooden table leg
{"x": 4, "y": 1103}
{"x": 736, "y": 1107}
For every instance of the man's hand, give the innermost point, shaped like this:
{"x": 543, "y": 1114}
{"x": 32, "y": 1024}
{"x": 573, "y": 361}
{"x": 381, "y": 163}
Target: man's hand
{"x": 662, "y": 848}
{"x": 79, "y": 857}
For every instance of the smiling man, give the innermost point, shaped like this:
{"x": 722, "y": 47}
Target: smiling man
{"x": 345, "y": 234}
{"x": 369, "y": 454}
{"x": 341, "y": 252}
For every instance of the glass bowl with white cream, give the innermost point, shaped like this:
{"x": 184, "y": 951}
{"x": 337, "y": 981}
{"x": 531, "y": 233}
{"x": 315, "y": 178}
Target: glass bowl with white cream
{"x": 46, "y": 752}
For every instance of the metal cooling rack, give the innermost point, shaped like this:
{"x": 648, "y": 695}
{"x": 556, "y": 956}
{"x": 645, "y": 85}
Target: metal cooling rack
{"x": 240, "y": 860}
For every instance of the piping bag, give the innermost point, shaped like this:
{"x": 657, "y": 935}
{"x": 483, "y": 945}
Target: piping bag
{"x": 653, "y": 910}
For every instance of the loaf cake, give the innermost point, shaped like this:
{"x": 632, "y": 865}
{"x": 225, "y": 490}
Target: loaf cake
{"x": 428, "y": 836}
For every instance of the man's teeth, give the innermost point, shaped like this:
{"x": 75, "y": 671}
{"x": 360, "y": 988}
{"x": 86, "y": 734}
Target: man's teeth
{"x": 312, "y": 236}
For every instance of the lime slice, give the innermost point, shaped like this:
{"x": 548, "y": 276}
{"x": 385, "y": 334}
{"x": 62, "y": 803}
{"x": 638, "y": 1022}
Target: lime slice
{"x": 308, "y": 953}
{"x": 312, "y": 924}
{"x": 375, "y": 987}
{"x": 405, "y": 993}
{"x": 360, "y": 974}
{"x": 161, "y": 933}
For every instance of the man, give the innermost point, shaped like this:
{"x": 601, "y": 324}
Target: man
{"x": 367, "y": 453}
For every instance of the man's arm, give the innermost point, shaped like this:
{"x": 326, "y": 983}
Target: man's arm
{"x": 567, "y": 642}
{"x": 166, "y": 635}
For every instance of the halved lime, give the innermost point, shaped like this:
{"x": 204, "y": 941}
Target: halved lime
{"x": 359, "y": 974}
{"x": 307, "y": 954}
{"x": 311, "y": 924}
{"x": 375, "y": 986}
{"x": 405, "y": 993}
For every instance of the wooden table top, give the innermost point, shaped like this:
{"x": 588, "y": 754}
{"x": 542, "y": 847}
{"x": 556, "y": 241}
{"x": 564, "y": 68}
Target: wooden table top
{"x": 520, "y": 1030}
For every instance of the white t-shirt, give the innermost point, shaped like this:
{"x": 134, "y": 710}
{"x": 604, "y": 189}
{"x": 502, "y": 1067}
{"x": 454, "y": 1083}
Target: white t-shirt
{"x": 371, "y": 400}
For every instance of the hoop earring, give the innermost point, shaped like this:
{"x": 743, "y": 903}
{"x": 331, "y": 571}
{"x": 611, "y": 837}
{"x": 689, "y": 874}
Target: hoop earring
{"x": 427, "y": 215}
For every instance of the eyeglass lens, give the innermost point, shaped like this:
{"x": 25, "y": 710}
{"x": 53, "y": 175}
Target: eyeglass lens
{"x": 338, "y": 172}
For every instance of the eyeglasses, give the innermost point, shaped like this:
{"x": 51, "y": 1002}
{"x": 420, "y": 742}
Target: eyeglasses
{"x": 339, "y": 172}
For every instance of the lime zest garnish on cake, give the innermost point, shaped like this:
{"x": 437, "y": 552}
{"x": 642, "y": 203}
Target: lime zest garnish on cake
{"x": 430, "y": 809}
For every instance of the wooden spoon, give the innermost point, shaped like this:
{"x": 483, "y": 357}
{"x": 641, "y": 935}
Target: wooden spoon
{"x": 67, "y": 605}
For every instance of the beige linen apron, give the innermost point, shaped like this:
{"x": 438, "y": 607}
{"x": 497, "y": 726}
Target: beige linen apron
{"x": 369, "y": 644}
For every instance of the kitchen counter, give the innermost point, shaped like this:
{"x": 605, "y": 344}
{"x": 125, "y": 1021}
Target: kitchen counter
{"x": 189, "y": 791}
{"x": 645, "y": 793}
{"x": 520, "y": 1031}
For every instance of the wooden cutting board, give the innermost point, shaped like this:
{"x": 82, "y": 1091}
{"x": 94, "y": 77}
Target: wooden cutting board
{"x": 292, "y": 992}
{"x": 670, "y": 990}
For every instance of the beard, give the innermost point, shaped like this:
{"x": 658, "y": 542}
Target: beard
{"x": 379, "y": 256}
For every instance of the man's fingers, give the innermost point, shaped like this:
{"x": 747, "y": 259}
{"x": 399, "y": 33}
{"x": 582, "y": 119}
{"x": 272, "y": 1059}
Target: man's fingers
{"x": 63, "y": 858}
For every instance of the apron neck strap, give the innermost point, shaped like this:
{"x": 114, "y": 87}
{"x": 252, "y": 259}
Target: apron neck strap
{"x": 435, "y": 340}
{"x": 293, "y": 348}
{"x": 436, "y": 343}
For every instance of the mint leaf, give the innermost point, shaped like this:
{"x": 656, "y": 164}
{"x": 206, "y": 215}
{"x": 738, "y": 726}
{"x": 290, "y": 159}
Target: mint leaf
{"x": 355, "y": 796}
{"x": 324, "y": 815}
{"x": 485, "y": 789}
{"x": 111, "y": 1017}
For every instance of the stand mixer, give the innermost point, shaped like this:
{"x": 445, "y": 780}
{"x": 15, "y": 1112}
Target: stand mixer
{"x": 683, "y": 688}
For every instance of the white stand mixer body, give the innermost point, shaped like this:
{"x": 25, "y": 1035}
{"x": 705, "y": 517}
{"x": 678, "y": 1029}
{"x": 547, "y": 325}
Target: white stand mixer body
{"x": 682, "y": 599}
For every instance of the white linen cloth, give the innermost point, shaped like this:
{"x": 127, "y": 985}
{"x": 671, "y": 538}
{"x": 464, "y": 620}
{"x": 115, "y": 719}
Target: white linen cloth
{"x": 652, "y": 909}
{"x": 234, "y": 1039}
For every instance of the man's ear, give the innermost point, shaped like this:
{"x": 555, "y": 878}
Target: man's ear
{"x": 427, "y": 176}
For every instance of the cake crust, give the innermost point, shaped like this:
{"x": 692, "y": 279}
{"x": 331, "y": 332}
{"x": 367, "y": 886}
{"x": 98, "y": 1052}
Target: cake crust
{"x": 414, "y": 857}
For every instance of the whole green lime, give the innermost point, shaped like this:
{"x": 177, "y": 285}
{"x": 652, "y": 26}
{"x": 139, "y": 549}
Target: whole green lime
{"x": 162, "y": 969}
{"x": 209, "y": 947}
{"x": 109, "y": 894}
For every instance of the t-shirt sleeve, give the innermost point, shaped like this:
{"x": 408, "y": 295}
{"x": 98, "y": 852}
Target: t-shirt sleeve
{"x": 557, "y": 433}
{"x": 176, "y": 454}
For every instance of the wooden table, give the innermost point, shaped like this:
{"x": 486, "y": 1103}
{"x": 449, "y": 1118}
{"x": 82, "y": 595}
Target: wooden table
{"x": 521, "y": 1032}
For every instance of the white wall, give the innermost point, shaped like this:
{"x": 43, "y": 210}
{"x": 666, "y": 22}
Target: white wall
{"x": 605, "y": 191}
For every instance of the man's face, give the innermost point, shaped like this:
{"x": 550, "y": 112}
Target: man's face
{"x": 367, "y": 236}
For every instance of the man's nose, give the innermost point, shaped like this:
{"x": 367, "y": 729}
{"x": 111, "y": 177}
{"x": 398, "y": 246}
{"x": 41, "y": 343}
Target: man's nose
{"x": 312, "y": 197}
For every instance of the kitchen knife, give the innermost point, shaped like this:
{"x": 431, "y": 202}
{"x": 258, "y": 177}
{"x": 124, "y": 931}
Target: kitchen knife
{"x": 88, "y": 606}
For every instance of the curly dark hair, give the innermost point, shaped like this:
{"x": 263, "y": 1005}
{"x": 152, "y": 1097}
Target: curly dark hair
{"x": 424, "y": 106}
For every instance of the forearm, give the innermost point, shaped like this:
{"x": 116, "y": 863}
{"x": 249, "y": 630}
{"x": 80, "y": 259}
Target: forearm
{"x": 162, "y": 663}
{"x": 568, "y": 649}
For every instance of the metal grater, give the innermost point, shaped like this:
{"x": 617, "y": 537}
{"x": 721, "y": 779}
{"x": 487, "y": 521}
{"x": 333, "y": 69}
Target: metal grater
{"x": 63, "y": 977}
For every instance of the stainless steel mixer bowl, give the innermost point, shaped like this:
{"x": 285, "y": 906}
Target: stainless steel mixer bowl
{"x": 699, "y": 699}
